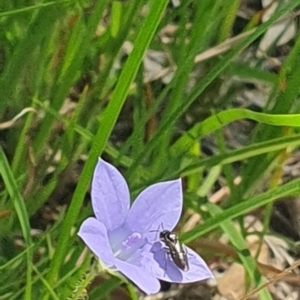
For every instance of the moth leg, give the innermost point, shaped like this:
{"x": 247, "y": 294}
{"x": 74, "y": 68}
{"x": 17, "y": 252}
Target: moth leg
{"x": 167, "y": 250}
{"x": 167, "y": 254}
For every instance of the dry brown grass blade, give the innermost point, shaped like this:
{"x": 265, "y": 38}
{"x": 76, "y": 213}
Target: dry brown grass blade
{"x": 273, "y": 280}
{"x": 229, "y": 251}
{"x": 11, "y": 122}
{"x": 230, "y": 43}
{"x": 4, "y": 214}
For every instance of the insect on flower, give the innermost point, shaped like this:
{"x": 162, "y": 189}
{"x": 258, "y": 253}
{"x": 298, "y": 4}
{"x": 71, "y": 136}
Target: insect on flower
{"x": 174, "y": 248}
{"x": 120, "y": 237}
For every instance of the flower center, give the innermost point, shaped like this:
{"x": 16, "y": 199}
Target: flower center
{"x": 126, "y": 245}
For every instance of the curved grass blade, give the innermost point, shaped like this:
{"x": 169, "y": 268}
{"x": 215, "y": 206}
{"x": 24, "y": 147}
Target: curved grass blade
{"x": 216, "y": 71}
{"x": 287, "y": 190}
{"x": 224, "y": 118}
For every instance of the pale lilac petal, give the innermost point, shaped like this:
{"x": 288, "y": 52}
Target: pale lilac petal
{"x": 110, "y": 195}
{"x": 94, "y": 235}
{"x": 138, "y": 275}
{"x": 158, "y": 206}
{"x": 198, "y": 269}
{"x": 159, "y": 264}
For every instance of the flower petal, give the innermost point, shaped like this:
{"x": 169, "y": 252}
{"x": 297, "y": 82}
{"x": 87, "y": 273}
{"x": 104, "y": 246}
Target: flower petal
{"x": 158, "y": 206}
{"x": 145, "y": 281}
{"x": 94, "y": 235}
{"x": 160, "y": 265}
{"x": 198, "y": 269}
{"x": 110, "y": 195}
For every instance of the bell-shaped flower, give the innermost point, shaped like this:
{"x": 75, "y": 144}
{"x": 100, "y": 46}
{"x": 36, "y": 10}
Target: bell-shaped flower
{"x": 124, "y": 238}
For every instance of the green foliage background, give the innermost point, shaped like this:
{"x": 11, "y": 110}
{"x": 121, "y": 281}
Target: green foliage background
{"x": 51, "y": 48}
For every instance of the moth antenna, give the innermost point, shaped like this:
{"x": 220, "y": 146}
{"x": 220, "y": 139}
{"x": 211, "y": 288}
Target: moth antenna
{"x": 155, "y": 231}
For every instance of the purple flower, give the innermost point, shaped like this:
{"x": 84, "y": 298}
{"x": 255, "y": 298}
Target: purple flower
{"x": 123, "y": 238}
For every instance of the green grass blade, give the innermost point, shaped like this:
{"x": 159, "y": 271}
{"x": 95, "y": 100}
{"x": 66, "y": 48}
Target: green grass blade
{"x": 282, "y": 100}
{"x": 19, "y": 205}
{"x": 43, "y": 20}
{"x": 240, "y": 154}
{"x": 105, "y": 289}
{"x": 33, "y": 7}
{"x": 290, "y": 189}
{"x": 224, "y": 118}
{"x": 108, "y": 120}
{"x": 217, "y": 70}
{"x": 46, "y": 284}
{"x": 239, "y": 243}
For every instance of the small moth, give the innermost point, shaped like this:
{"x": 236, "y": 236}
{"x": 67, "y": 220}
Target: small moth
{"x": 174, "y": 248}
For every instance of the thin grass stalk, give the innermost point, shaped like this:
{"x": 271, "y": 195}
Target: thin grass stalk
{"x": 19, "y": 205}
{"x": 110, "y": 115}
